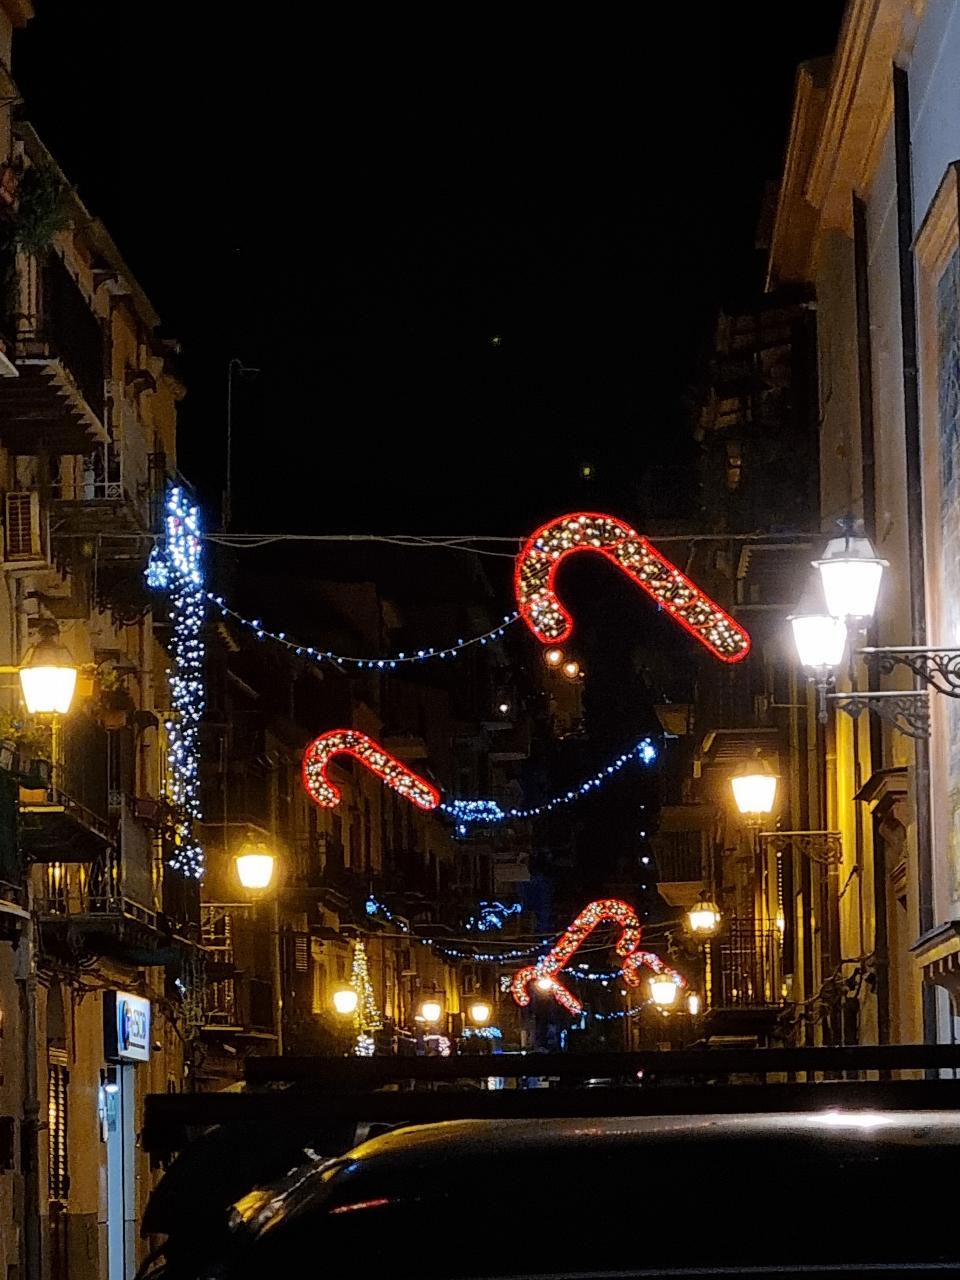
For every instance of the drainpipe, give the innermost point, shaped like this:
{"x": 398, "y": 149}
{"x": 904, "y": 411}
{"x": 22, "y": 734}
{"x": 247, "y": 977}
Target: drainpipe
{"x": 26, "y": 976}
{"x": 911, "y": 425}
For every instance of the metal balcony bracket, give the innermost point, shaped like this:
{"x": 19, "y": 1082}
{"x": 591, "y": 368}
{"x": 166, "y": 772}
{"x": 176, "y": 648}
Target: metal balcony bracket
{"x": 939, "y": 667}
{"x": 825, "y": 847}
{"x": 907, "y": 710}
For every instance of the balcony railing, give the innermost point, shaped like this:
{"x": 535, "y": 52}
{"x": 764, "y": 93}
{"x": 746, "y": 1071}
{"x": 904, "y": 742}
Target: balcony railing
{"x": 55, "y": 402}
{"x": 749, "y": 972}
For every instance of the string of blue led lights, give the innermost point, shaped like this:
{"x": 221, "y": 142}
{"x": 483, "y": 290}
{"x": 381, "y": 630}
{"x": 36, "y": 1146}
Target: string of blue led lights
{"x": 313, "y": 654}
{"x": 488, "y": 813}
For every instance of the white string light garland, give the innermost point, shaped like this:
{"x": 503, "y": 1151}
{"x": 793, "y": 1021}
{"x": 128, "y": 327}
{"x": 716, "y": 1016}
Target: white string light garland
{"x": 313, "y": 654}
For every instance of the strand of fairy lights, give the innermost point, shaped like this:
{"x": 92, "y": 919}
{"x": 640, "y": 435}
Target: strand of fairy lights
{"x": 176, "y": 567}
{"x": 313, "y": 654}
{"x": 485, "y": 813}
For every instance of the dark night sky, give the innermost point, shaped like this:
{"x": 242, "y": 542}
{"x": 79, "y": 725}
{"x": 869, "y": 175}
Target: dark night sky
{"x": 359, "y": 210}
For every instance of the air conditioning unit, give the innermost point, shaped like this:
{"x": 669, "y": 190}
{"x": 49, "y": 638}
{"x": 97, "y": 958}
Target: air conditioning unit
{"x": 24, "y": 541}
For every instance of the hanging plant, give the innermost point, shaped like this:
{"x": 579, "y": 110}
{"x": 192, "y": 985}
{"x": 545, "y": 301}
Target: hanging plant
{"x": 41, "y": 211}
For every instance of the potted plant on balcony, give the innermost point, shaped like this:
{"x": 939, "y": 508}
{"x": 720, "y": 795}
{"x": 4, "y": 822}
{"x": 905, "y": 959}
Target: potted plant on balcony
{"x": 115, "y": 702}
{"x": 25, "y": 749}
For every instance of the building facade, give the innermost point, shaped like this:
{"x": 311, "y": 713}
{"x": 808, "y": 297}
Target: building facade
{"x": 99, "y": 958}
{"x": 867, "y": 219}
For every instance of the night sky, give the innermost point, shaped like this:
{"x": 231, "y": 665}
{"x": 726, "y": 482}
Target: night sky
{"x": 468, "y": 256}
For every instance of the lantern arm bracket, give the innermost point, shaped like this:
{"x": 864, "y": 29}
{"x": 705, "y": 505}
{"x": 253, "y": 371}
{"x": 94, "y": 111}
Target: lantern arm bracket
{"x": 938, "y": 666}
{"x": 825, "y": 847}
{"x": 906, "y": 710}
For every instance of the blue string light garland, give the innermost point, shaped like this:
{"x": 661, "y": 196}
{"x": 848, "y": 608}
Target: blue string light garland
{"x": 314, "y": 654}
{"x": 176, "y": 568}
{"x": 488, "y": 813}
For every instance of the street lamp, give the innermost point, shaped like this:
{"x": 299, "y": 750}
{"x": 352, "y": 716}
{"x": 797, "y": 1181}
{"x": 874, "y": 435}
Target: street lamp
{"x": 571, "y": 669}
{"x": 663, "y": 991}
{"x": 345, "y": 1001}
{"x": 754, "y": 789}
{"x": 820, "y": 640}
{"x": 48, "y": 673}
{"x": 850, "y": 571}
{"x": 553, "y": 657}
{"x": 480, "y": 1012}
{"x": 693, "y": 1004}
{"x": 431, "y": 1009}
{"x": 703, "y": 918}
{"x": 255, "y": 865}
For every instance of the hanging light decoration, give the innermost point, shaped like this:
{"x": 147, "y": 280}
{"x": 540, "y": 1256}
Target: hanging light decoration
{"x": 549, "y": 546}
{"x": 176, "y": 567}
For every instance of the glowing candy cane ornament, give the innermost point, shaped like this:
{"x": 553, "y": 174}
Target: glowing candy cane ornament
{"x": 545, "y": 551}
{"x": 349, "y": 742}
{"x": 543, "y": 973}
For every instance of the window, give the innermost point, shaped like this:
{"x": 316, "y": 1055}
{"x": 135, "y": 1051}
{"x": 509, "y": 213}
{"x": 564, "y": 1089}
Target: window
{"x": 58, "y": 1178}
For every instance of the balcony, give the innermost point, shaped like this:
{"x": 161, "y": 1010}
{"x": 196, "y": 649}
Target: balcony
{"x": 111, "y": 488}
{"x": 52, "y": 394}
{"x": 681, "y": 847}
{"x": 83, "y": 908}
{"x": 56, "y": 828}
{"x": 748, "y": 969}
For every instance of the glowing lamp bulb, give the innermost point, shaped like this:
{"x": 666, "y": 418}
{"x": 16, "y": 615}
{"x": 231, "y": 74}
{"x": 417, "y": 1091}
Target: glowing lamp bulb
{"x": 345, "y": 1001}
{"x": 48, "y": 674}
{"x": 850, "y": 571}
{"x": 480, "y": 1012}
{"x": 431, "y": 1010}
{"x": 693, "y": 1004}
{"x": 663, "y": 991}
{"x": 553, "y": 657}
{"x": 754, "y": 789}
{"x": 703, "y": 918}
{"x": 503, "y": 708}
{"x": 571, "y": 669}
{"x": 255, "y": 867}
{"x": 544, "y": 984}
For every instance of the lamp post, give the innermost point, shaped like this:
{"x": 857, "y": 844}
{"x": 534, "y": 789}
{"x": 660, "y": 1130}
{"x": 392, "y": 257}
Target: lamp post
{"x": 255, "y": 865}
{"x": 235, "y": 366}
{"x": 48, "y": 679}
{"x": 820, "y": 639}
{"x": 703, "y": 922}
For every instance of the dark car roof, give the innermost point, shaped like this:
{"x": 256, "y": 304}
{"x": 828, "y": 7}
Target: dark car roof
{"x": 573, "y": 1196}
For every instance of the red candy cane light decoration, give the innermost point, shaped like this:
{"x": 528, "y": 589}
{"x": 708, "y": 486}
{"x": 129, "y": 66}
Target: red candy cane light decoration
{"x": 349, "y": 742}
{"x": 544, "y": 972}
{"x": 547, "y": 548}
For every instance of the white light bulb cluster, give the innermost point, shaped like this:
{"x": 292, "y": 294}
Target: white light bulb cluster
{"x": 488, "y": 813}
{"x": 368, "y": 1019}
{"x": 176, "y": 568}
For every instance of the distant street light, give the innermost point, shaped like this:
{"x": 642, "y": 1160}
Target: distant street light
{"x": 345, "y": 1001}
{"x": 693, "y": 1004}
{"x": 553, "y": 657}
{"x": 571, "y": 669}
{"x": 480, "y": 1012}
{"x": 663, "y": 991}
{"x": 48, "y": 673}
{"x": 703, "y": 918}
{"x": 431, "y": 1009}
{"x": 754, "y": 789}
